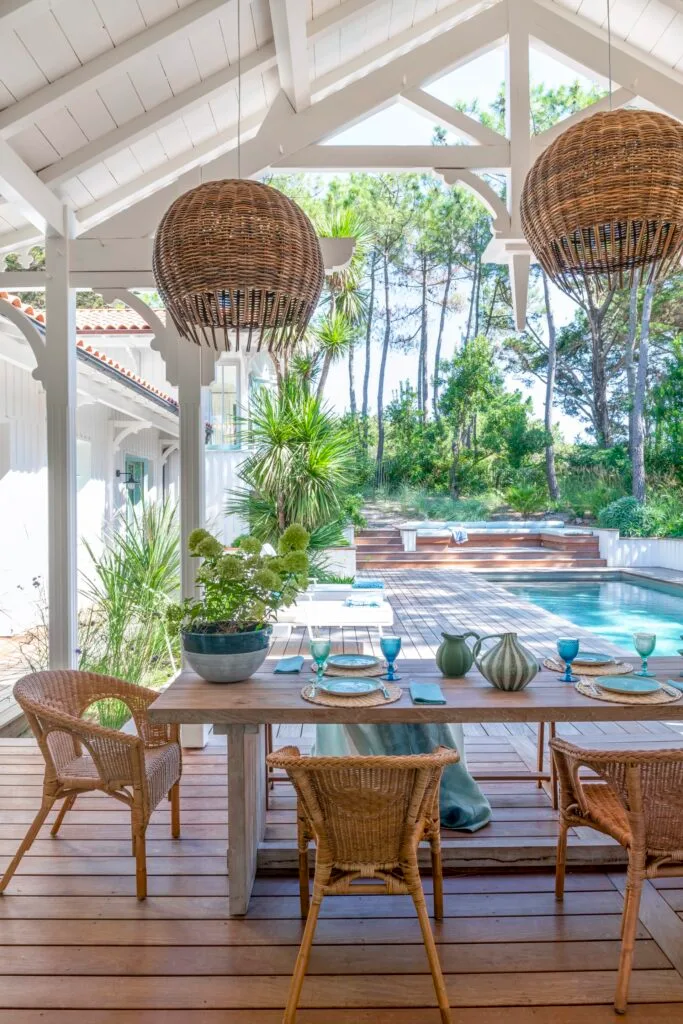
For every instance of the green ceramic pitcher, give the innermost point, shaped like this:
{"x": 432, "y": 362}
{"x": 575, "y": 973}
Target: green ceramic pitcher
{"x": 508, "y": 665}
{"x": 454, "y": 657}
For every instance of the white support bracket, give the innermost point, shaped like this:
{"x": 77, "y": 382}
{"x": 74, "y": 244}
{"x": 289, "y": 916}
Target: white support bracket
{"x": 124, "y": 429}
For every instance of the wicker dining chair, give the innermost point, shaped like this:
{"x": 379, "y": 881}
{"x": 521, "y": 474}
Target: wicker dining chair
{"x": 638, "y": 800}
{"x": 367, "y": 816}
{"x": 80, "y": 756}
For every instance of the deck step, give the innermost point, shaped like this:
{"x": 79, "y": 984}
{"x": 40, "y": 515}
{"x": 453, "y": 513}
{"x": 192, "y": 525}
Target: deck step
{"x": 414, "y": 560}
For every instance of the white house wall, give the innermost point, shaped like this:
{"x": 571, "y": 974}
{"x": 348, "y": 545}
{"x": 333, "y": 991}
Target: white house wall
{"x": 23, "y": 487}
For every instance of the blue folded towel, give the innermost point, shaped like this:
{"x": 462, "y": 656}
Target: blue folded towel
{"x": 290, "y": 665}
{"x": 362, "y": 602}
{"x": 367, "y": 585}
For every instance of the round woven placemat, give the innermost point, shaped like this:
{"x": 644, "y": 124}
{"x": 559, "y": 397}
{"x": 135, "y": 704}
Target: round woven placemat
{"x": 365, "y": 700}
{"x": 615, "y": 668}
{"x": 589, "y": 688}
{"x": 352, "y": 673}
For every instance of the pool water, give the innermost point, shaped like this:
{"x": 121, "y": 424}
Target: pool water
{"x": 612, "y": 609}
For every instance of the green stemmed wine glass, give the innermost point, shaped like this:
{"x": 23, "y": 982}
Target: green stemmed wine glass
{"x": 644, "y": 643}
{"x": 320, "y": 652}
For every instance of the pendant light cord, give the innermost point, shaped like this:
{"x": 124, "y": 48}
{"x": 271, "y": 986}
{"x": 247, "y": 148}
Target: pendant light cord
{"x": 239, "y": 89}
{"x": 609, "y": 51}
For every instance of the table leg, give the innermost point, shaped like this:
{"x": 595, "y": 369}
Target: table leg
{"x": 246, "y": 811}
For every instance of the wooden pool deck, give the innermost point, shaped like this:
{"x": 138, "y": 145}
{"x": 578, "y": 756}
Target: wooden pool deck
{"x": 76, "y": 947}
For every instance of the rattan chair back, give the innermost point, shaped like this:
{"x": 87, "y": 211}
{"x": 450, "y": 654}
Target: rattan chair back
{"x": 649, "y": 786}
{"x": 367, "y": 814}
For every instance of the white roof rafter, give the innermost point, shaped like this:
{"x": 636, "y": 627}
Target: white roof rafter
{"x": 107, "y": 65}
{"x": 291, "y": 45}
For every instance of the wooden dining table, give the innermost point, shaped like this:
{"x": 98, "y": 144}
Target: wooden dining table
{"x": 242, "y": 710}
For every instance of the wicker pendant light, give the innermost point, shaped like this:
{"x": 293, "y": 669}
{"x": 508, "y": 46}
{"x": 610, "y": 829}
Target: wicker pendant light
{"x": 604, "y": 202}
{"x": 234, "y": 259}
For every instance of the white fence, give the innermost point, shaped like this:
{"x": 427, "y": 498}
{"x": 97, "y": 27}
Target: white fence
{"x": 640, "y": 552}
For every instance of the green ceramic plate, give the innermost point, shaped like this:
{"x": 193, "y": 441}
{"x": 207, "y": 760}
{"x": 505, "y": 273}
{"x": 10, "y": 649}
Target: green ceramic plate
{"x": 627, "y": 684}
{"x": 593, "y": 658}
{"x": 350, "y": 687}
{"x": 352, "y": 661}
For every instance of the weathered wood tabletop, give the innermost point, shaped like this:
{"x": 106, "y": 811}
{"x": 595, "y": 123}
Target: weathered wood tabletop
{"x": 242, "y": 710}
{"x": 269, "y": 697}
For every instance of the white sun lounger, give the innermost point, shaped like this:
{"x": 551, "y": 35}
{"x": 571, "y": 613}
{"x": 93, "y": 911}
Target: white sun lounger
{"x": 327, "y": 614}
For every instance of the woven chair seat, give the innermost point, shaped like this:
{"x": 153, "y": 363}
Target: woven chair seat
{"x": 606, "y": 810}
{"x": 82, "y": 756}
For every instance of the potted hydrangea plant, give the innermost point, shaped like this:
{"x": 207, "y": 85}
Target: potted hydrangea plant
{"x": 226, "y": 631}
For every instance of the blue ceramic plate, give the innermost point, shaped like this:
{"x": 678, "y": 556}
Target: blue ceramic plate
{"x": 352, "y": 661}
{"x": 350, "y": 687}
{"x": 627, "y": 684}
{"x": 593, "y": 658}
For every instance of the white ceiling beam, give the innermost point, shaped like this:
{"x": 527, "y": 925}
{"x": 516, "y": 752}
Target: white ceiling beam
{"x": 11, "y": 10}
{"x": 585, "y": 44}
{"x": 210, "y": 88}
{"x": 288, "y": 18}
{"x": 482, "y": 190}
{"x": 345, "y": 158}
{"x": 21, "y": 186}
{"x": 107, "y": 65}
{"x": 421, "y": 32}
{"x": 619, "y": 98}
{"x": 170, "y": 110}
{"x": 675, "y": 5}
{"x": 450, "y": 118}
{"x": 283, "y": 132}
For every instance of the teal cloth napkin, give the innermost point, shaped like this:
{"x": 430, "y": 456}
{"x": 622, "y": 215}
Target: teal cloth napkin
{"x": 426, "y": 693}
{"x": 290, "y": 665}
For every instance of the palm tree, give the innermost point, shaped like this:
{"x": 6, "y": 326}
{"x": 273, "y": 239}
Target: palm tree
{"x": 345, "y": 288}
{"x": 300, "y": 467}
{"x": 334, "y": 336}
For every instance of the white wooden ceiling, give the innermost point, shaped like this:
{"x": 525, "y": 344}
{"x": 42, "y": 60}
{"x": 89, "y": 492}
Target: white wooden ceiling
{"x": 99, "y": 95}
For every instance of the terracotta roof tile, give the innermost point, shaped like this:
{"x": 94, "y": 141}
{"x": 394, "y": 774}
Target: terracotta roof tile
{"x": 102, "y": 321}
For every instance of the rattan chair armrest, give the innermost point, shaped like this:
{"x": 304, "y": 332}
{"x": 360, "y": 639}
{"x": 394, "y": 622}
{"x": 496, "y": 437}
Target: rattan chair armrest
{"x": 137, "y": 699}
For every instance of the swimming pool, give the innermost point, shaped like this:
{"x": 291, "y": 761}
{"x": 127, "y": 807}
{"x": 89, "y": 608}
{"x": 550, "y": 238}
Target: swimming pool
{"x": 613, "y": 609}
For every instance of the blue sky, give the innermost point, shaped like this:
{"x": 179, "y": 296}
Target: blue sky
{"x": 481, "y": 80}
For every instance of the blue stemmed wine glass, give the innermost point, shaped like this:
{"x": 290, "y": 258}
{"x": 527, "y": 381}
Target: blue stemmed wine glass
{"x": 320, "y": 652}
{"x": 390, "y": 646}
{"x": 644, "y": 643}
{"x": 568, "y": 648}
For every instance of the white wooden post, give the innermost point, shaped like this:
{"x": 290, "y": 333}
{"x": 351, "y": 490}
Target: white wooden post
{"x": 192, "y": 455}
{"x": 192, "y": 481}
{"x": 59, "y": 380}
{"x": 517, "y": 115}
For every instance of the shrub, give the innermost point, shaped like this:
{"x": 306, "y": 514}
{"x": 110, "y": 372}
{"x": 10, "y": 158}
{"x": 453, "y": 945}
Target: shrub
{"x": 242, "y": 590}
{"x": 527, "y": 499}
{"x": 627, "y": 515}
{"x": 582, "y": 496}
{"x": 415, "y": 502}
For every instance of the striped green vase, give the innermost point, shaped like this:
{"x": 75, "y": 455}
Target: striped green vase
{"x": 508, "y": 665}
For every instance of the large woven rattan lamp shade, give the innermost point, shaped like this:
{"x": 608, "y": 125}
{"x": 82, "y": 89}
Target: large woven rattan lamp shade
{"x": 237, "y": 263}
{"x": 604, "y": 202}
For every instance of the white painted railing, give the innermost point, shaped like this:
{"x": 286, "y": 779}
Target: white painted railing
{"x": 640, "y": 552}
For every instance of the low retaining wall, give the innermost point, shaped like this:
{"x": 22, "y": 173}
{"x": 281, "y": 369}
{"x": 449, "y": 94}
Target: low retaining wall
{"x": 640, "y": 552}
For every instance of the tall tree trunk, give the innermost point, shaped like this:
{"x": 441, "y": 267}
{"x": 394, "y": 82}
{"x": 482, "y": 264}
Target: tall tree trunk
{"x": 278, "y": 372}
{"x": 322, "y": 380}
{"x": 424, "y": 389}
{"x": 439, "y": 338}
{"x": 550, "y": 472}
{"x": 382, "y": 367}
{"x": 629, "y": 363}
{"x": 638, "y": 443}
{"x": 477, "y": 299}
{"x": 473, "y": 300}
{"x": 603, "y": 427}
{"x": 368, "y": 338}
{"x": 352, "y": 386}
{"x": 453, "y": 475}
